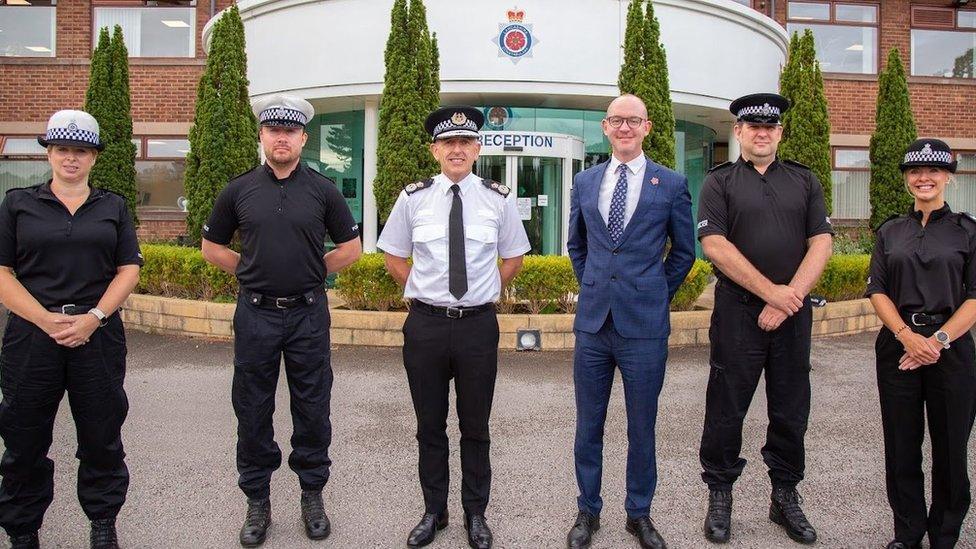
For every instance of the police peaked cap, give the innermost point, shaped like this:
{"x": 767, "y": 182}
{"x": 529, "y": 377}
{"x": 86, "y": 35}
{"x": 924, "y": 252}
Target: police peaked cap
{"x": 458, "y": 121}
{"x": 929, "y": 152}
{"x": 760, "y": 108}
{"x": 283, "y": 110}
{"x": 73, "y": 129}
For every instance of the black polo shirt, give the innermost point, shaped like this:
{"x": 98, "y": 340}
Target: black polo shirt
{"x": 62, "y": 258}
{"x": 768, "y": 217}
{"x": 284, "y": 224}
{"x": 926, "y": 269}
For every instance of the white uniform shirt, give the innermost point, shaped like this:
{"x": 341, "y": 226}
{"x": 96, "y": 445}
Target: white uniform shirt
{"x": 635, "y": 179}
{"x": 418, "y": 226}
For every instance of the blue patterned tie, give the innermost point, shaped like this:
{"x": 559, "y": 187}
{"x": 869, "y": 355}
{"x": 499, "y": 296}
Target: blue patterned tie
{"x": 618, "y": 203}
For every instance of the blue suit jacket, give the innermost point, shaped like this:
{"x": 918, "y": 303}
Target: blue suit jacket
{"x": 630, "y": 279}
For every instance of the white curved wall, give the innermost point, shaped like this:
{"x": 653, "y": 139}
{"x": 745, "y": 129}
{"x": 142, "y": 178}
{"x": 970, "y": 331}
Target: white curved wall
{"x": 331, "y": 51}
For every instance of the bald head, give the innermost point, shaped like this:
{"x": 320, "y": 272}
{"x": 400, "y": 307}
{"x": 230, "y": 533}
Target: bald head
{"x": 629, "y": 102}
{"x": 626, "y": 126}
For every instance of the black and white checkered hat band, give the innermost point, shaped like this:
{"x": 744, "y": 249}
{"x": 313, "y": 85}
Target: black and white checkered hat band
{"x": 281, "y": 114}
{"x": 72, "y": 134}
{"x": 449, "y": 125}
{"x": 939, "y": 157}
{"x": 763, "y": 110}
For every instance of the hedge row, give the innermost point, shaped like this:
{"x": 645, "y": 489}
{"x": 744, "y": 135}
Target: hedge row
{"x": 545, "y": 284}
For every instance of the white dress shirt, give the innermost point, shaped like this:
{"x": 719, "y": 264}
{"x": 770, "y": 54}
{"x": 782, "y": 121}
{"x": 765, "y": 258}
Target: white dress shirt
{"x": 418, "y": 227}
{"x": 635, "y": 178}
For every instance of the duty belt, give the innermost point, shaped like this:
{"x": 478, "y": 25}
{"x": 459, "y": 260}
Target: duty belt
{"x": 286, "y": 302}
{"x": 451, "y": 312}
{"x": 924, "y": 319}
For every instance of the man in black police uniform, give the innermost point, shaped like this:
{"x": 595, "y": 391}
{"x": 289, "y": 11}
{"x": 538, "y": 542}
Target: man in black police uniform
{"x": 455, "y": 225}
{"x": 763, "y": 223}
{"x": 285, "y": 211}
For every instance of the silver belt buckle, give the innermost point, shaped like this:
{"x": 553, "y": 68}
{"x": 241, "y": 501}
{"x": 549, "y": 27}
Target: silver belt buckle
{"x": 915, "y": 322}
{"x": 64, "y": 308}
{"x": 278, "y": 303}
{"x": 457, "y": 310}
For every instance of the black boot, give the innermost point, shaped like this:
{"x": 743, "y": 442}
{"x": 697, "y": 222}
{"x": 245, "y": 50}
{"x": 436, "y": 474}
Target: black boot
{"x": 902, "y": 545}
{"x": 425, "y": 530}
{"x": 479, "y": 535}
{"x": 581, "y": 534}
{"x": 647, "y": 535}
{"x": 784, "y": 509}
{"x": 317, "y": 525}
{"x": 103, "y": 534}
{"x": 718, "y": 521}
{"x": 25, "y": 541}
{"x": 256, "y": 522}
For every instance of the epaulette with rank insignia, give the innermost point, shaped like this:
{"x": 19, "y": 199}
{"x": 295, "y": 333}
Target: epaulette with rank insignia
{"x": 497, "y": 187}
{"x": 720, "y": 166}
{"x": 890, "y": 217}
{"x": 795, "y": 163}
{"x": 418, "y": 186}
{"x": 21, "y": 189}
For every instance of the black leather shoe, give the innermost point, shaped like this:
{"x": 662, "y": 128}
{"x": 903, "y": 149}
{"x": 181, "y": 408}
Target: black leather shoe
{"x": 256, "y": 522}
{"x": 479, "y": 535}
{"x": 317, "y": 525}
{"x": 643, "y": 529}
{"x": 718, "y": 520}
{"x": 425, "y": 530}
{"x": 902, "y": 545}
{"x": 784, "y": 509}
{"x": 581, "y": 534}
{"x": 103, "y": 534}
{"x": 25, "y": 541}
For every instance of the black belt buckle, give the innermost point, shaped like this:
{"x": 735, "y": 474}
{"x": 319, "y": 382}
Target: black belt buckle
{"x": 924, "y": 320}
{"x": 65, "y": 308}
{"x": 279, "y": 300}
{"x": 451, "y": 311}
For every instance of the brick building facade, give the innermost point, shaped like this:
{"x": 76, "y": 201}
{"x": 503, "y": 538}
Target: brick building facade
{"x": 853, "y": 38}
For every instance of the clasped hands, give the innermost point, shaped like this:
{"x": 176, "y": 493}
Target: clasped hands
{"x": 919, "y": 350}
{"x": 782, "y": 302}
{"x": 69, "y": 330}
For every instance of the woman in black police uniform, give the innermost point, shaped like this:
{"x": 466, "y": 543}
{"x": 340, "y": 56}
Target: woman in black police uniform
{"x": 923, "y": 287}
{"x": 68, "y": 259}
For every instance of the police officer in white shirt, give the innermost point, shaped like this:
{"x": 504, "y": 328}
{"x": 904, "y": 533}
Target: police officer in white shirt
{"x": 456, "y": 226}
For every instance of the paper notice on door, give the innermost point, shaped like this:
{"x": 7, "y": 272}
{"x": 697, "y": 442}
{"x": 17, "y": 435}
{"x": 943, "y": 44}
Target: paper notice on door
{"x": 542, "y": 200}
{"x": 524, "y": 205}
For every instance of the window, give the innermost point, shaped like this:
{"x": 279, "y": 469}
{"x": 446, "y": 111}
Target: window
{"x": 23, "y": 162}
{"x": 151, "y": 28}
{"x": 943, "y": 42}
{"x": 961, "y": 196}
{"x": 27, "y": 28}
{"x": 160, "y": 166}
{"x": 846, "y": 35}
{"x": 851, "y": 176}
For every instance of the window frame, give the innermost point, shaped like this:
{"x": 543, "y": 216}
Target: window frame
{"x": 833, "y": 21}
{"x": 912, "y": 26}
{"x": 833, "y": 159}
{"x": 54, "y": 28}
{"x": 189, "y": 4}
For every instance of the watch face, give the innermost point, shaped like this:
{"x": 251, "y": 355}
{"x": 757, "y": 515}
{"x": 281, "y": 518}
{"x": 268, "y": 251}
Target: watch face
{"x": 941, "y": 336}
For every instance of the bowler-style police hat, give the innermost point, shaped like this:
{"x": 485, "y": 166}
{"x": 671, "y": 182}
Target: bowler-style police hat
{"x": 454, "y": 122}
{"x": 929, "y": 152}
{"x": 283, "y": 110}
{"x": 760, "y": 108}
{"x": 72, "y": 128}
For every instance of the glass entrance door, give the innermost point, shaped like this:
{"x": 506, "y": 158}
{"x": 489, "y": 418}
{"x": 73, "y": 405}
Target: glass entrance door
{"x": 538, "y": 185}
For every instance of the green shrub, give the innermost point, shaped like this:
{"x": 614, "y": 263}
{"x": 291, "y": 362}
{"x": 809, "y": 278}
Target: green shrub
{"x": 546, "y": 280}
{"x": 366, "y": 285}
{"x": 845, "y": 277}
{"x": 178, "y": 271}
{"x": 693, "y": 286}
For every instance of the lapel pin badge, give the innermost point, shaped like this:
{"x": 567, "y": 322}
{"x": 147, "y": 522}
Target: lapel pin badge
{"x": 654, "y": 181}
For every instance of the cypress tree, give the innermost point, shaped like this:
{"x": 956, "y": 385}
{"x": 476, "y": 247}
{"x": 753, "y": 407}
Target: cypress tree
{"x": 107, "y": 99}
{"x": 894, "y": 132}
{"x": 806, "y": 126}
{"x": 659, "y": 144}
{"x": 633, "y": 49}
{"x": 411, "y": 89}
{"x": 223, "y": 139}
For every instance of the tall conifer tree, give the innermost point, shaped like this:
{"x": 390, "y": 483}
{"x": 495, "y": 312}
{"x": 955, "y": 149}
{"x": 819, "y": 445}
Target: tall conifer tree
{"x": 894, "y": 132}
{"x": 659, "y": 144}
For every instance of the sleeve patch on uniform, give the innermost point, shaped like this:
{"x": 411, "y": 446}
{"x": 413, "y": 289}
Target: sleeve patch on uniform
{"x": 206, "y": 227}
{"x": 828, "y": 220}
{"x": 703, "y": 223}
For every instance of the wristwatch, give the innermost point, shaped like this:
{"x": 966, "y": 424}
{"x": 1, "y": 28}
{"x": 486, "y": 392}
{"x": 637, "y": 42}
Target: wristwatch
{"x": 942, "y": 338}
{"x": 99, "y": 315}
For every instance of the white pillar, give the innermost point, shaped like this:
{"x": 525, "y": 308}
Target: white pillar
{"x": 370, "y": 143}
{"x": 733, "y": 145}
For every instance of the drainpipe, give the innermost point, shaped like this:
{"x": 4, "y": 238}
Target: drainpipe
{"x": 213, "y": 8}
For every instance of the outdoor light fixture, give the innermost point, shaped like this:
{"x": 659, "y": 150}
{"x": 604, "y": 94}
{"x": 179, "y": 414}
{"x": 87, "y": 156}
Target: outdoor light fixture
{"x": 528, "y": 340}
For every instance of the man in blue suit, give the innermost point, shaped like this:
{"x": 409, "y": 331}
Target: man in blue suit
{"x": 622, "y": 214}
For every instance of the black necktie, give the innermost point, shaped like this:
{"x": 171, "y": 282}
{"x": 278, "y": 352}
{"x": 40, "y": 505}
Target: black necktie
{"x": 457, "y": 270}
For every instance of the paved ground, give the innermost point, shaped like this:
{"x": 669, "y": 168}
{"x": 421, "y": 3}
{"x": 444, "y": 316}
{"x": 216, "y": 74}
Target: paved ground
{"x": 180, "y": 440}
